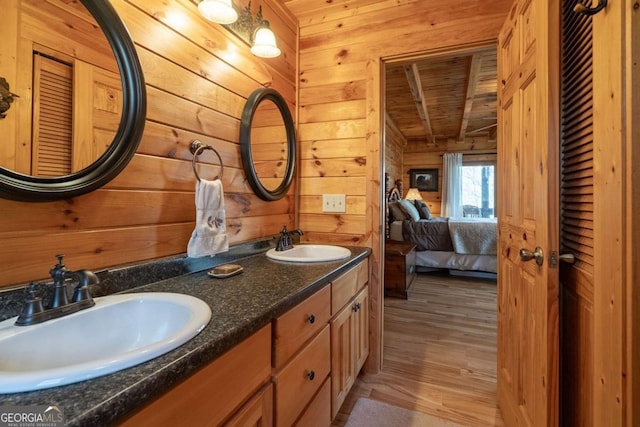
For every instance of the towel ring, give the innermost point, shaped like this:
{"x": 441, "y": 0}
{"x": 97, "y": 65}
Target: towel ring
{"x": 196, "y": 148}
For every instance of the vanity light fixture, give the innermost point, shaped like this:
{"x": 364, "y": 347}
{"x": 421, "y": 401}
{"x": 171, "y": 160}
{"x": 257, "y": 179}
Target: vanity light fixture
{"x": 252, "y": 29}
{"x": 218, "y": 11}
{"x": 413, "y": 194}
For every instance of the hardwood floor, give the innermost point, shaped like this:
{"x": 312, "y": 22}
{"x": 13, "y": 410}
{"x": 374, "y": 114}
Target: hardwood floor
{"x": 439, "y": 352}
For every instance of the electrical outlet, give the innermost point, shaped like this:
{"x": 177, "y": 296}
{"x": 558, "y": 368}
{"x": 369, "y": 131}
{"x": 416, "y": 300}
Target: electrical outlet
{"x": 334, "y": 203}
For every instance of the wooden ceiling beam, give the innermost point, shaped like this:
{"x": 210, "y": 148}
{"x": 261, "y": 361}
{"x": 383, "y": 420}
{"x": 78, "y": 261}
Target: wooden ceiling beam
{"x": 472, "y": 82}
{"x": 415, "y": 85}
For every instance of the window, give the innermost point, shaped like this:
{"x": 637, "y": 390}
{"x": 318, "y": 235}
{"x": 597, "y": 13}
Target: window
{"x": 478, "y": 190}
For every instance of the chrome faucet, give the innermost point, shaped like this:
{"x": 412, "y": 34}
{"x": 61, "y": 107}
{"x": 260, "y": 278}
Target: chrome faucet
{"x": 284, "y": 240}
{"x": 34, "y": 312}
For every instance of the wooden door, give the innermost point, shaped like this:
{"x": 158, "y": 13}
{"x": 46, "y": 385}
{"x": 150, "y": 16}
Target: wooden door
{"x": 361, "y": 329}
{"x": 528, "y": 214}
{"x": 342, "y": 374}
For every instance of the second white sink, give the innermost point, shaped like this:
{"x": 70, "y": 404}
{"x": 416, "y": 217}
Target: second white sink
{"x": 310, "y": 253}
{"x": 120, "y": 331}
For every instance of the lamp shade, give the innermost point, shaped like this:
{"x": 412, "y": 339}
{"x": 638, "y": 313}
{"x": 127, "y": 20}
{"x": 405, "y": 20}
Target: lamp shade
{"x": 218, "y": 11}
{"x": 413, "y": 194}
{"x": 264, "y": 43}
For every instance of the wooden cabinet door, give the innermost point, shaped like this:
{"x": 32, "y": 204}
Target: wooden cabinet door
{"x": 361, "y": 329}
{"x": 257, "y": 412}
{"x": 342, "y": 366}
{"x": 528, "y": 94}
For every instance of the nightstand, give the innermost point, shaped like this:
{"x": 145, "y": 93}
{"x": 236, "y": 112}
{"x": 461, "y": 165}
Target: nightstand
{"x": 399, "y": 268}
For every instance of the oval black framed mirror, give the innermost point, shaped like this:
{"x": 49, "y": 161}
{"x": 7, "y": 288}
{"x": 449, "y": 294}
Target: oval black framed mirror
{"x": 19, "y": 186}
{"x": 268, "y": 144}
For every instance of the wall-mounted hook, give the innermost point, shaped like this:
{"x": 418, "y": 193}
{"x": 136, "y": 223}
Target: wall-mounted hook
{"x": 589, "y": 11}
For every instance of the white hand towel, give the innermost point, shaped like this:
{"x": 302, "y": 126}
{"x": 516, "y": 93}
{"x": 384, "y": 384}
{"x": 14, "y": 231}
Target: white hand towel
{"x": 210, "y": 235}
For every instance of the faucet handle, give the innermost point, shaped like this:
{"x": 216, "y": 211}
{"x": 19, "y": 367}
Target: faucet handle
{"x": 32, "y": 306}
{"x": 31, "y": 291}
{"x": 57, "y": 271}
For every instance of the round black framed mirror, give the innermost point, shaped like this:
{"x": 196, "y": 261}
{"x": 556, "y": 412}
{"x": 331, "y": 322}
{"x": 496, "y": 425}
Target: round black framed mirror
{"x": 268, "y": 144}
{"x": 18, "y": 186}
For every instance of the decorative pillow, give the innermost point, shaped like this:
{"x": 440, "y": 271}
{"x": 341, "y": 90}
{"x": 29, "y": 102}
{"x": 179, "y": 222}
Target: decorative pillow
{"x": 395, "y": 212}
{"x": 423, "y": 209}
{"x": 409, "y": 209}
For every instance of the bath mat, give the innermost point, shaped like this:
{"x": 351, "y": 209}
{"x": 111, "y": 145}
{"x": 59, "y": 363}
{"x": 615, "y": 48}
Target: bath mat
{"x": 373, "y": 413}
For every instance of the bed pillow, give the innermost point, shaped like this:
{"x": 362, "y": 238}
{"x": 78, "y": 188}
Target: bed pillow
{"x": 395, "y": 212}
{"x": 409, "y": 209}
{"x": 423, "y": 209}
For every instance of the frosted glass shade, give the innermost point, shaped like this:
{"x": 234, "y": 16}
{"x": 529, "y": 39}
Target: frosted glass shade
{"x": 264, "y": 43}
{"x": 218, "y": 11}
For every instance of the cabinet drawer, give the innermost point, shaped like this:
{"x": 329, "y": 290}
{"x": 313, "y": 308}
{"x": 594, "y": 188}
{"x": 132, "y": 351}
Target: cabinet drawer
{"x": 343, "y": 289}
{"x": 301, "y": 378}
{"x": 363, "y": 273}
{"x": 298, "y": 325}
{"x": 318, "y": 413}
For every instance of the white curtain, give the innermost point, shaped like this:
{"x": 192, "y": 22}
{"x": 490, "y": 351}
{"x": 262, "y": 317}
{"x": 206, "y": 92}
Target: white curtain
{"x": 452, "y": 185}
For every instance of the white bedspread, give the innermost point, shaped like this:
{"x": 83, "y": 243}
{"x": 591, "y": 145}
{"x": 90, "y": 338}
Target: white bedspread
{"x": 474, "y": 236}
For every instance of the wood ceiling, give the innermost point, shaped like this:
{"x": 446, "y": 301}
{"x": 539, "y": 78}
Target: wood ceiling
{"x": 444, "y": 99}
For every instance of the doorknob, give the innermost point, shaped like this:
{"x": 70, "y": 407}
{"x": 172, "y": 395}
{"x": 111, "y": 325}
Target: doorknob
{"x": 537, "y": 254}
{"x": 568, "y": 258}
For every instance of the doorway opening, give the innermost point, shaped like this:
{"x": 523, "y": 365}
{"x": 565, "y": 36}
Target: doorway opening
{"x": 443, "y": 338}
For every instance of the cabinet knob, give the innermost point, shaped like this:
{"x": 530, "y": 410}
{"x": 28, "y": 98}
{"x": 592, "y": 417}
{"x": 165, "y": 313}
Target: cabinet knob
{"x": 311, "y": 375}
{"x": 311, "y": 319}
{"x": 356, "y": 307}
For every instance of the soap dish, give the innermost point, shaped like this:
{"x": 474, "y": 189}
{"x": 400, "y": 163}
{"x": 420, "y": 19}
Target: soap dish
{"x": 225, "y": 270}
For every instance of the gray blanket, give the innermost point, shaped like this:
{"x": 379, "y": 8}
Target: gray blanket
{"x": 474, "y": 236}
{"x": 428, "y": 235}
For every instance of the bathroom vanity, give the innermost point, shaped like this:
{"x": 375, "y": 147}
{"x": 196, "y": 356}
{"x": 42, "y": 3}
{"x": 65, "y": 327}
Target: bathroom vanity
{"x": 296, "y": 370}
{"x": 283, "y": 346}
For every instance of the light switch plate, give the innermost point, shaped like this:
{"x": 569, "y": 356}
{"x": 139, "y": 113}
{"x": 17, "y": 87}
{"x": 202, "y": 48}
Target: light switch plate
{"x": 334, "y": 203}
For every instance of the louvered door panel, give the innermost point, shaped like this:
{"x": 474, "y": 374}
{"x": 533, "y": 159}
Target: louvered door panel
{"x": 52, "y": 117}
{"x": 576, "y": 201}
{"x": 577, "y": 139}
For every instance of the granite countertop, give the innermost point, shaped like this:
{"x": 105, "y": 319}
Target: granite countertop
{"x": 240, "y": 306}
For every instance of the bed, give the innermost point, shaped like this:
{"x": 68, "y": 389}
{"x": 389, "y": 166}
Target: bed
{"x": 461, "y": 244}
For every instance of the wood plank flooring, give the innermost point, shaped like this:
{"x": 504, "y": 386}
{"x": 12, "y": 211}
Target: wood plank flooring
{"x": 439, "y": 352}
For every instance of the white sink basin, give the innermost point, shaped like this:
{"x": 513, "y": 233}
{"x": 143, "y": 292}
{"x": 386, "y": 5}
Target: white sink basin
{"x": 120, "y": 331}
{"x": 310, "y": 253}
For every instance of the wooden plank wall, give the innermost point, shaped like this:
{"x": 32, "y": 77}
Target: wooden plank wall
{"x": 340, "y": 114}
{"x": 198, "y": 77}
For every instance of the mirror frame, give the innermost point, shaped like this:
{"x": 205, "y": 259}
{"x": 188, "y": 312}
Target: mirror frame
{"x": 249, "y": 111}
{"x": 17, "y": 186}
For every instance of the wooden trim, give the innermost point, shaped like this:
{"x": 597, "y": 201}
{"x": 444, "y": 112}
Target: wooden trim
{"x": 550, "y": 55}
{"x": 375, "y": 207}
{"x": 632, "y": 195}
{"x": 610, "y": 254}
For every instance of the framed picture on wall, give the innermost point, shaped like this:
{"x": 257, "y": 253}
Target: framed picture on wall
{"x": 424, "y": 179}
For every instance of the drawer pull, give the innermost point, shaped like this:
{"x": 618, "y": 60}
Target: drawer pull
{"x": 311, "y": 375}
{"x": 311, "y": 319}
